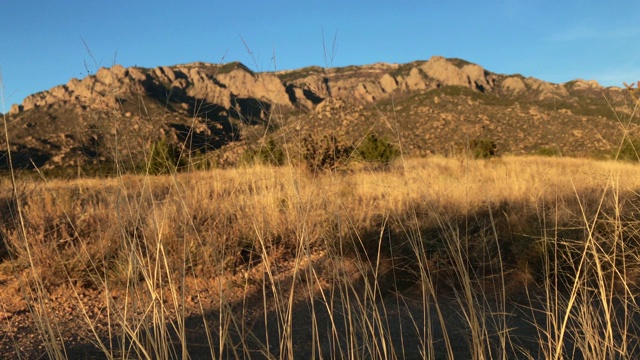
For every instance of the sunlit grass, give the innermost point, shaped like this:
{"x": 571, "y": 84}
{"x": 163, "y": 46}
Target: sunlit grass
{"x": 442, "y": 235}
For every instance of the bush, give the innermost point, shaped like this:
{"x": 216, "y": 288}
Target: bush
{"x": 270, "y": 153}
{"x": 203, "y": 161}
{"x": 630, "y": 150}
{"x": 164, "y": 158}
{"x": 375, "y": 149}
{"x": 483, "y": 148}
{"x": 326, "y": 153}
{"x": 548, "y": 151}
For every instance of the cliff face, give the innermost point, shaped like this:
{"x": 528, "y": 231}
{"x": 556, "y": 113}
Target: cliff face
{"x": 116, "y": 113}
{"x": 108, "y": 87}
{"x": 221, "y": 84}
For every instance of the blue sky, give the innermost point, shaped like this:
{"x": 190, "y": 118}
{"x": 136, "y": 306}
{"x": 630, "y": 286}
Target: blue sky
{"x": 42, "y": 43}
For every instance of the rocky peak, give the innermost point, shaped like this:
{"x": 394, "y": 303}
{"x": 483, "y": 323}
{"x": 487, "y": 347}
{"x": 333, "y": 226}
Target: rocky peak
{"x": 468, "y": 75}
{"x": 211, "y": 105}
{"x": 304, "y": 88}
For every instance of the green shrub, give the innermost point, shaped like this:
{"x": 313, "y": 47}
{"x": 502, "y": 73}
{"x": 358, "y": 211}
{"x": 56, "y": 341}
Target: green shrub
{"x": 326, "y": 153}
{"x": 375, "y": 149}
{"x": 203, "y": 161}
{"x": 630, "y": 150}
{"x": 548, "y": 151}
{"x": 164, "y": 158}
{"x": 483, "y": 148}
{"x": 270, "y": 153}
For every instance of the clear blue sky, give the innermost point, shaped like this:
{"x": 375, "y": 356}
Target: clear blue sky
{"x": 41, "y": 42}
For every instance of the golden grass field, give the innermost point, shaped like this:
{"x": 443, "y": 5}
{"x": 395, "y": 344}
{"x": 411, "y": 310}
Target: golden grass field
{"x": 512, "y": 257}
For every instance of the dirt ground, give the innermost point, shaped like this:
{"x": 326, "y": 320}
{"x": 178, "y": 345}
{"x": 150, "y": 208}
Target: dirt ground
{"x": 259, "y": 325}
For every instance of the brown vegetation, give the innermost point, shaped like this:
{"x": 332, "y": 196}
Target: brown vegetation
{"x": 424, "y": 258}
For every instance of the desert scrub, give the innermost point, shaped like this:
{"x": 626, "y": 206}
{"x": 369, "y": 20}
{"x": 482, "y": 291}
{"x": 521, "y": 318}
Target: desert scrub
{"x": 548, "y": 151}
{"x": 483, "y": 148}
{"x": 325, "y": 153}
{"x": 164, "y": 158}
{"x": 629, "y": 150}
{"x": 269, "y": 153}
{"x": 376, "y": 149}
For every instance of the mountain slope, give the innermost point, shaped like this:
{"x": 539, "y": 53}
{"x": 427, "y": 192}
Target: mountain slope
{"x": 434, "y": 106}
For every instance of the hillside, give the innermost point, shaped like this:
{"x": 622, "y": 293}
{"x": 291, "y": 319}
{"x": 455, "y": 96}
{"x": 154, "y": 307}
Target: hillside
{"x": 434, "y": 106}
{"x": 435, "y": 257}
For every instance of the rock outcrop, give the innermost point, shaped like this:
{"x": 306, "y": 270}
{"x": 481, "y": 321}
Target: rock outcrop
{"x": 514, "y": 84}
{"x": 545, "y": 89}
{"x": 202, "y": 106}
{"x": 305, "y": 88}
{"x": 107, "y": 86}
{"x": 580, "y": 84}
{"x": 447, "y": 73}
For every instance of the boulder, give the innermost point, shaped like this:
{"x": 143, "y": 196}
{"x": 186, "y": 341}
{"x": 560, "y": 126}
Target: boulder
{"x": 388, "y": 83}
{"x": 477, "y": 77}
{"x": 15, "y": 109}
{"x": 443, "y": 71}
{"x": 414, "y": 81}
{"x": 514, "y": 84}
{"x": 264, "y": 86}
{"x": 446, "y": 73}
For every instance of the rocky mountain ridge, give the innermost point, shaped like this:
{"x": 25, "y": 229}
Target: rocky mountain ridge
{"x": 117, "y": 113}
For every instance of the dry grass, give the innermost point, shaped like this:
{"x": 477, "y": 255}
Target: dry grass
{"x": 424, "y": 241}
{"x": 89, "y": 219}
